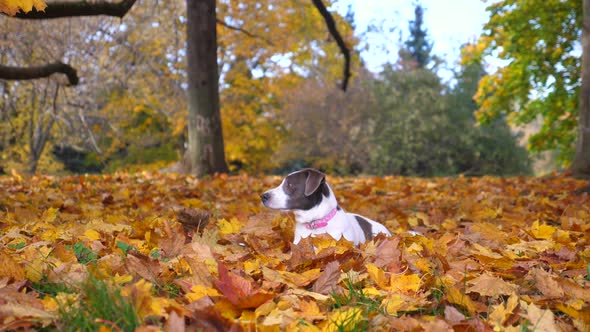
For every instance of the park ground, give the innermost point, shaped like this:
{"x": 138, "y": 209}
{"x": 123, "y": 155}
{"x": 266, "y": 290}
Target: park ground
{"x": 148, "y": 251}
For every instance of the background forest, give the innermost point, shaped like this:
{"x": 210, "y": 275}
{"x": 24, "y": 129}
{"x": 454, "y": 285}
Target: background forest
{"x": 280, "y": 103}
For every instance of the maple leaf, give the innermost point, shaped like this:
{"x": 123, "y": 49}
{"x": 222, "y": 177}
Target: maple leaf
{"x": 239, "y": 291}
{"x": 488, "y": 285}
{"x": 328, "y": 280}
{"x": 503, "y": 311}
{"x": 344, "y": 319}
{"x": 541, "y": 320}
{"x": 545, "y": 283}
{"x": 11, "y": 269}
{"x": 143, "y": 266}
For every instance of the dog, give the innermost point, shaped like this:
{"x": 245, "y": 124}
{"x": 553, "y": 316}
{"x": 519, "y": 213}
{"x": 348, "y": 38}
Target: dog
{"x": 316, "y": 210}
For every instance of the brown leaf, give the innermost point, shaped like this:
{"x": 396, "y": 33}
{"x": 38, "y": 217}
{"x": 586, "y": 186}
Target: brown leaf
{"x": 328, "y": 279}
{"x": 489, "y": 285}
{"x": 542, "y": 319}
{"x": 173, "y": 243}
{"x": 301, "y": 253}
{"x": 174, "y": 323}
{"x": 388, "y": 255}
{"x": 143, "y": 266}
{"x": 239, "y": 291}
{"x": 211, "y": 320}
{"x": 453, "y": 315}
{"x": 193, "y": 219}
{"x": 545, "y": 283}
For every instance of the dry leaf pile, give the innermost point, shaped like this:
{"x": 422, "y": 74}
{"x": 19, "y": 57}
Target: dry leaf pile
{"x": 495, "y": 254}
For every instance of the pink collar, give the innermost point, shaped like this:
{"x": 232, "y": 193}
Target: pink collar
{"x": 315, "y": 224}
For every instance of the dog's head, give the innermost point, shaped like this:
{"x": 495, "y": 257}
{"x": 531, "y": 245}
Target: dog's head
{"x": 301, "y": 190}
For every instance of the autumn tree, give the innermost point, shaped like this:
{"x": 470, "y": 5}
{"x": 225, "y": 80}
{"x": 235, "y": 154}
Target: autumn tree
{"x": 47, "y": 111}
{"x": 320, "y": 11}
{"x": 205, "y": 153}
{"x": 541, "y": 41}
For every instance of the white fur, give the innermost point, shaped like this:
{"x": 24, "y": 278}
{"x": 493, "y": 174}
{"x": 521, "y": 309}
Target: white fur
{"x": 278, "y": 199}
{"x": 342, "y": 224}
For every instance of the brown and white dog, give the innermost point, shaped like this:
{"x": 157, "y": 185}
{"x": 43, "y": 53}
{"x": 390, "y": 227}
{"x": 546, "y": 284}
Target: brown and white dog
{"x": 316, "y": 210}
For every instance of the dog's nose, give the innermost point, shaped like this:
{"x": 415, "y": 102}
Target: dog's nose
{"x": 264, "y": 197}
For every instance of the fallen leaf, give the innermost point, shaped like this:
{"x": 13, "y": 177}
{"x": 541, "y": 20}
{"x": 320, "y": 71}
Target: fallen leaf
{"x": 488, "y": 285}
{"x": 239, "y": 291}
{"x": 545, "y": 283}
{"x": 541, "y": 320}
{"x": 10, "y": 268}
{"x": 328, "y": 280}
{"x": 143, "y": 266}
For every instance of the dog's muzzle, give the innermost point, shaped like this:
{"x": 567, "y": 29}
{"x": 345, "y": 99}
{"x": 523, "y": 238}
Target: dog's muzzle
{"x": 265, "y": 197}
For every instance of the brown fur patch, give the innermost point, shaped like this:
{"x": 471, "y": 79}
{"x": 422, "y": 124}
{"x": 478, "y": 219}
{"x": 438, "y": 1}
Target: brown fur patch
{"x": 366, "y": 227}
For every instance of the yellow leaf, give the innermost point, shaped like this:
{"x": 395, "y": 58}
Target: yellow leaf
{"x": 568, "y": 310}
{"x": 300, "y": 279}
{"x": 252, "y": 266}
{"x": 35, "y": 270}
{"x": 10, "y": 268}
{"x": 542, "y": 231}
{"x": 50, "y": 215}
{"x": 199, "y": 291}
{"x": 456, "y": 296}
{"x": 265, "y": 309}
{"x": 372, "y": 291}
{"x": 501, "y": 312}
{"x": 91, "y": 234}
{"x": 145, "y": 303}
{"x": 117, "y": 279}
{"x": 344, "y": 319}
{"x": 377, "y": 275}
{"x": 489, "y": 285}
{"x": 405, "y": 283}
{"x": 393, "y": 304}
{"x": 50, "y": 304}
{"x": 310, "y": 309}
{"x": 229, "y": 227}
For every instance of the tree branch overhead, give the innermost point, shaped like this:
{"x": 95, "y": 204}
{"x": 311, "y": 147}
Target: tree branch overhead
{"x": 61, "y": 9}
{"x": 30, "y": 73}
{"x": 339, "y": 40}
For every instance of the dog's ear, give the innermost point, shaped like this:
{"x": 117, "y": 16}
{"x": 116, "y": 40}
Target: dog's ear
{"x": 313, "y": 182}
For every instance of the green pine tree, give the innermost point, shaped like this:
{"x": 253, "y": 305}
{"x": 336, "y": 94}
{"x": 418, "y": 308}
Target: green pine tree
{"x": 418, "y": 45}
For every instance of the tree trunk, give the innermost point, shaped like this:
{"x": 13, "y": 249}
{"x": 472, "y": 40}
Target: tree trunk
{"x": 581, "y": 164}
{"x": 205, "y": 154}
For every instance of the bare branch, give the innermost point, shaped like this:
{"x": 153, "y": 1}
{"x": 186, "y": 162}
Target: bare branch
{"x": 341, "y": 44}
{"x": 31, "y": 73}
{"x": 242, "y": 30}
{"x": 60, "y": 9}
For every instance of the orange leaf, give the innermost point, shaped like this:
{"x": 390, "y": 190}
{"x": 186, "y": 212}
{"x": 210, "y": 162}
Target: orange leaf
{"x": 10, "y": 268}
{"x": 239, "y": 291}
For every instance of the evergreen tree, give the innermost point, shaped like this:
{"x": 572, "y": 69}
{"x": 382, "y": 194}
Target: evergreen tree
{"x": 417, "y": 45}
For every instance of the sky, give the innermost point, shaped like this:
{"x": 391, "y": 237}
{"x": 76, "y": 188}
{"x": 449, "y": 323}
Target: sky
{"x": 450, "y": 23}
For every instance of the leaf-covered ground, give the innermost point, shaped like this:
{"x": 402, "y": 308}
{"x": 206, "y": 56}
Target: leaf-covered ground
{"x": 495, "y": 254}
